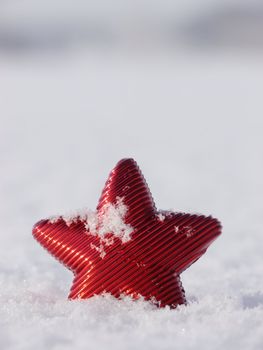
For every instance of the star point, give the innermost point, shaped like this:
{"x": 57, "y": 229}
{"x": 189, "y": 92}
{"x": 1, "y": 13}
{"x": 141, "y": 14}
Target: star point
{"x": 127, "y": 246}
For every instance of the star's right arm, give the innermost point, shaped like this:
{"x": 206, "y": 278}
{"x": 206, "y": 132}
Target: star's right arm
{"x": 187, "y": 238}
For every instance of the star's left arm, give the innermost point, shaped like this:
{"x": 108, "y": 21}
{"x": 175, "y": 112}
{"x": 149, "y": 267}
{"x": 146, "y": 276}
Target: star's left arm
{"x": 68, "y": 244}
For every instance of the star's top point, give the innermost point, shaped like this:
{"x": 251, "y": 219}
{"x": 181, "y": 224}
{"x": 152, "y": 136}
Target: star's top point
{"x": 126, "y": 181}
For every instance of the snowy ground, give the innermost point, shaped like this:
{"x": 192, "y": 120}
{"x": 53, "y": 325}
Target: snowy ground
{"x": 194, "y": 124}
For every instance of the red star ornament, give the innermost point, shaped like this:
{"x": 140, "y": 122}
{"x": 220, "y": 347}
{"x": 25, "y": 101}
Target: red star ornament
{"x": 128, "y": 247}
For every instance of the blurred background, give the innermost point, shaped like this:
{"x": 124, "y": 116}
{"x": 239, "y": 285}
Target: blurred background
{"x": 27, "y": 25}
{"x": 53, "y": 25}
{"x": 178, "y": 85}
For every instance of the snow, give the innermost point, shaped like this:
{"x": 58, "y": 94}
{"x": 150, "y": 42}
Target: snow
{"x": 194, "y": 125}
{"x": 109, "y": 221}
{"x": 160, "y": 217}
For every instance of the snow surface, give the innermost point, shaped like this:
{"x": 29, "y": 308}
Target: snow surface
{"x": 194, "y": 125}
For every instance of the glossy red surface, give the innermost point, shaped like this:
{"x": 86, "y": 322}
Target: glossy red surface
{"x": 162, "y": 245}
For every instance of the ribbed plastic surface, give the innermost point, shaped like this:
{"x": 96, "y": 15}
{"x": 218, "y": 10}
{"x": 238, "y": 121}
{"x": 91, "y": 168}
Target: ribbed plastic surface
{"x": 162, "y": 245}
